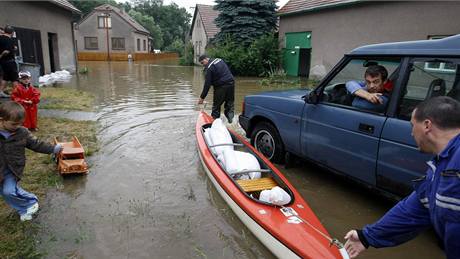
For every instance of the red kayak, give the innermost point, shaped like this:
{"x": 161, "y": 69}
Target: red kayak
{"x": 288, "y": 231}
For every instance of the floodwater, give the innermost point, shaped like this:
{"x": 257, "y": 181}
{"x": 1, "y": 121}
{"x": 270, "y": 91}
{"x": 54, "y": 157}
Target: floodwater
{"x": 147, "y": 195}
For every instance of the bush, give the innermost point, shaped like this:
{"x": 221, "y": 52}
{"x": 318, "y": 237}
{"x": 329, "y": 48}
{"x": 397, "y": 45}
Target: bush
{"x": 176, "y": 46}
{"x": 261, "y": 57}
{"x": 187, "y": 59}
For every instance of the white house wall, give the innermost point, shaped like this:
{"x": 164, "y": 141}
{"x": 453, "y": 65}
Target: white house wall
{"x": 198, "y": 35}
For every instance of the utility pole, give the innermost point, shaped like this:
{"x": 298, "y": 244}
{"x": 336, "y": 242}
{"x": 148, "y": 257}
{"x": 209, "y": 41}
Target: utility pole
{"x": 106, "y": 25}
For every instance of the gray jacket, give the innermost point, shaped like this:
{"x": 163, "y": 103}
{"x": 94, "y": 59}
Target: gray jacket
{"x": 13, "y": 151}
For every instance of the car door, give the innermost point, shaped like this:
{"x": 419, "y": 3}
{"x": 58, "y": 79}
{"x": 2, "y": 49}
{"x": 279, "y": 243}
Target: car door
{"x": 340, "y": 136}
{"x": 399, "y": 160}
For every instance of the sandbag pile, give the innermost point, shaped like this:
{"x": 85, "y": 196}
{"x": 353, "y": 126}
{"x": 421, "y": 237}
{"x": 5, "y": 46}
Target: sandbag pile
{"x": 62, "y": 76}
{"x": 232, "y": 161}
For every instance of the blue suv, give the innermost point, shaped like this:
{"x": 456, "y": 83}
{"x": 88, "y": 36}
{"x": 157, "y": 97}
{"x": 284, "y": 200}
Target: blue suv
{"x": 374, "y": 148}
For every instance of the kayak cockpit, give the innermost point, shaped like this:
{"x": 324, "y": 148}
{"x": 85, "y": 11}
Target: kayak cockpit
{"x": 250, "y": 181}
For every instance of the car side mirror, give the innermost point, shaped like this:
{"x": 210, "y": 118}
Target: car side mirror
{"x": 312, "y": 98}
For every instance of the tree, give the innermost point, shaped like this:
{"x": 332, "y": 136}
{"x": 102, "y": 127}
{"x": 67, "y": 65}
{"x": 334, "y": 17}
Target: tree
{"x": 151, "y": 26}
{"x": 176, "y": 46}
{"x": 187, "y": 58}
{"x": 173, "y": 21}
{"x": 257, "y": 59}
{"x": 245, "y": 20}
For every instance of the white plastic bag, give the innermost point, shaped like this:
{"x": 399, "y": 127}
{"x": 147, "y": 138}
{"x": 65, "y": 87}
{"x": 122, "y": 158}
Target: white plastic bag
{"x": 219, "y": 135}
{"x": 207, "y": 136}
{"x": 247, "y": 161}
{"x": 231, "y": 163}
{"x": 58, "y": 76}
{"x": 237, "y": 161}
{"x": 276, "y": 196}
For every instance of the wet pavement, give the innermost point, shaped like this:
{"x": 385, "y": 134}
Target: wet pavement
{"x": 147, "y": 195}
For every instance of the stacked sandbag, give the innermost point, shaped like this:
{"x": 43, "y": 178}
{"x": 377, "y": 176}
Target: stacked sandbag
{"x": 62, "y": 76}
{"x": 276, "y": 196}
{"x": 237, "y": 161}
{"x": 232, "y": 161}
{"x": 218, "y": 135}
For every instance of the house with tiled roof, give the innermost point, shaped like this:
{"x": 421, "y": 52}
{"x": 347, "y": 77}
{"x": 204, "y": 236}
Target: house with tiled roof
{"x": 203, "y": 28}
{"x": 315, "y": 34}
{"x": 43, "y": 33}
{"x": 109, "y": 33}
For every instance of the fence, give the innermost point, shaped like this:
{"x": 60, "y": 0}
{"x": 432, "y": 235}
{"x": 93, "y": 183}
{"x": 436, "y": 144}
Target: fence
{"x": 117, "y": 56}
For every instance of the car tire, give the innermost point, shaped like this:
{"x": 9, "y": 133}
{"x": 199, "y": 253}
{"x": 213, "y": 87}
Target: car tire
{"x": 266, "y": 139}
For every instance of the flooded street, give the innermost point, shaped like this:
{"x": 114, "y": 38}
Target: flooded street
{"x": 147, "y": 194}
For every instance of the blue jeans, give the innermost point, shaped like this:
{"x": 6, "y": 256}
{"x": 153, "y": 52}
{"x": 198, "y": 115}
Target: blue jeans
{"x": 14, "y": 195}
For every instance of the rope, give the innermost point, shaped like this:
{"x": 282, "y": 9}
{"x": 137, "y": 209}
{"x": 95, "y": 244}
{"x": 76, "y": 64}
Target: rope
{"x": 332, "y": 241}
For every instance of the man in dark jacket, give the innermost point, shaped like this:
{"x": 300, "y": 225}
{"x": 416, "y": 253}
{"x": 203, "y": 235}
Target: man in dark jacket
{"x": 7, "y": 62}
{"x": 218, "y": 75}
{"x": 436, "y": 199}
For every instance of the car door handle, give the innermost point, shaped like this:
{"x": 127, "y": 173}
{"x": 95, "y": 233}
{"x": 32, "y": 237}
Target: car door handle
{"x": 366, "y": 128}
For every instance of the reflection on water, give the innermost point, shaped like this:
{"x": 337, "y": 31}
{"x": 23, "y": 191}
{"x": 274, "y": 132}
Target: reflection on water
{"x": 147, "y": 195}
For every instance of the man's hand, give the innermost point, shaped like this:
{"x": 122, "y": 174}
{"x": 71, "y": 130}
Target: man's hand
{"x": 200, "y": 101}
{"x": 353, "y": 245}
{"x": 374, "y": 98}
{"x": 5, "y": 52}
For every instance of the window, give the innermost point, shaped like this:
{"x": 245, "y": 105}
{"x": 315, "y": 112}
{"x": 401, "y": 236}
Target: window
{"x": 145, "y": 45}
{"x": 437, "y": 66}
{"x": 91, "y": 43}
{"x": 440, "y": 67}
{"x": 118, "y": 43}
{"x": 138, "y": 45}
{"x": 104, "y": 22}
{"x": 425, "y": 83}
{"x": 336, "y": 92}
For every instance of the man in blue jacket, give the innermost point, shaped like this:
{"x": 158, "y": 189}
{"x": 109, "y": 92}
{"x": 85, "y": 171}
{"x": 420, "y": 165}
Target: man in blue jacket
{"x": 436, "y": 198}
{"x": 218, "y": 75}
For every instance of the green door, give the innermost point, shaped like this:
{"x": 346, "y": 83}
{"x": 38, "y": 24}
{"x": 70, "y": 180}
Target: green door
{"x": 294, "y": 42}
{"x": 291, "y": 61}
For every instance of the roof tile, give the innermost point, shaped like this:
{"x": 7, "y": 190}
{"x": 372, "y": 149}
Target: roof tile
{"x": 208, "y": 15}
{"x": 66, "y": 5}
{"x": 294, "y": 6}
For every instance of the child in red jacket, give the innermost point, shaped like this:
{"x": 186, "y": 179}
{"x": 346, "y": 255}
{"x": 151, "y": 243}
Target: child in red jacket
{"x": 29, "y": 97}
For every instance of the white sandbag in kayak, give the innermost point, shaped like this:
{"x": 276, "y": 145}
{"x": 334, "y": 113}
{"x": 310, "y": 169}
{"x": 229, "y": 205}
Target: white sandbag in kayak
{"x": 248, "y": 161}
{"x": 207, "y": 136}
{"x": 276, "y": 196}
{"x": 219, "y": 135}
{"x": 237, "y": 161}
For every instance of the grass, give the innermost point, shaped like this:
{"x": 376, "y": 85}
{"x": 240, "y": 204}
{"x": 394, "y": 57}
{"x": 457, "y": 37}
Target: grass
{"x": 65, "y": 99}
{"x": 278, "y": 79}
{"x": 17, "y": 239}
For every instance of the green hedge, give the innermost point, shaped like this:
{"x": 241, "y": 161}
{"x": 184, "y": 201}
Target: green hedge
{"x": 261, "y": 57}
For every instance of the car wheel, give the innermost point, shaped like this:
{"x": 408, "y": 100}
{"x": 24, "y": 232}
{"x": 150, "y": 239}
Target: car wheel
{"x": 266, "y": 140}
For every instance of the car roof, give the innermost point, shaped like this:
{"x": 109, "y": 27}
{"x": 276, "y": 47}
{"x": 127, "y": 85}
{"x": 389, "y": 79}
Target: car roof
{"x": 449, "y": 46}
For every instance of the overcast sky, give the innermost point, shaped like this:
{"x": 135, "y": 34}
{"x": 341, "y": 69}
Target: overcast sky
{"x": 187, "y": 4}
